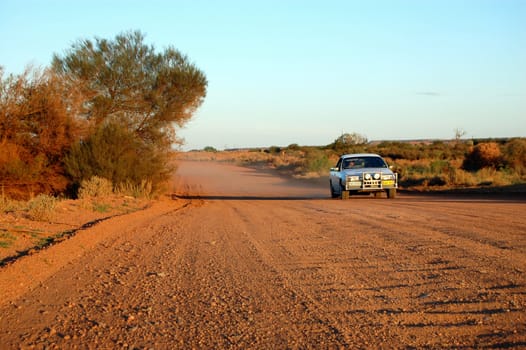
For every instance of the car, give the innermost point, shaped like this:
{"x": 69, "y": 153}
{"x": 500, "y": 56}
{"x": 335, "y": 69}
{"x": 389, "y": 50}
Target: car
{"x": 362, "y": 173}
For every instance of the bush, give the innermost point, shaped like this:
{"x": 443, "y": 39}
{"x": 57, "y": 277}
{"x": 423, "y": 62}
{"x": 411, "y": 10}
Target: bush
{"x": 316, "y": 161}
{"x": 515, "y": 155}
{"x": 37, "y": 128}
{"x": 119, "y": 155}
{"x": 437, "y": 181}
{"x": 142, "y": 190}
{"x": 483, "y": 155}
{"x": 274, "y": 150}
{"x": 95, "y": 187}
{"x": 42, "y": 207}
{"x": 7, "y": 205}
{"x": 462, "y": 178}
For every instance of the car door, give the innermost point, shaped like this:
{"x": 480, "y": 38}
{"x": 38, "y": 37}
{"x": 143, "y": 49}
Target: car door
{"x": 335, "y": 175}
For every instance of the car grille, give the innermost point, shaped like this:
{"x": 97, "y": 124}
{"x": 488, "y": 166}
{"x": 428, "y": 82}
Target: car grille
{"x": 372, "y": 183}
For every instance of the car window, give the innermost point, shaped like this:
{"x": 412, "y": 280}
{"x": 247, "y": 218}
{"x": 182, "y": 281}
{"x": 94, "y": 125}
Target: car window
{"x": 353, "y": 163}
{"x": 364, "y": 162}
{"x": 375, "y": 162}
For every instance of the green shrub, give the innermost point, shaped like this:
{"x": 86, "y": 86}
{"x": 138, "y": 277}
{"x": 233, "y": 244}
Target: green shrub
{"x": 316, "y": 161}
{"x": 101, "y": 207}
{"x": 6, "y": 239}
{"x": 119, "y": 155}
{"x": 439, "y": 166}
{"x": 42, "y": 207}
{"x": 416, "y": 168}
{"x": 95, "y": 187}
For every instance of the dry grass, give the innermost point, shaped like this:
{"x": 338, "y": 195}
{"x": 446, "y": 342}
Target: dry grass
{"x": 25, "y": 226}
{"x": 142, "y": 190}
{"x": 95, "y": 187}
{"x": 42, "y": 208}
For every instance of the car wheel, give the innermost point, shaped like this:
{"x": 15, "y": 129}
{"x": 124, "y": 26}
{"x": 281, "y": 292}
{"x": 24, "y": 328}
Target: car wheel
{"x": 344, "y": 194}
{"x": 391, "y": 193}
{"x": 333, "y": 193}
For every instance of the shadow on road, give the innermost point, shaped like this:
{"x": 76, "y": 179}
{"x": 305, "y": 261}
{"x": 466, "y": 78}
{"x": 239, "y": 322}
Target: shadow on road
{"x": 250, "y": 197}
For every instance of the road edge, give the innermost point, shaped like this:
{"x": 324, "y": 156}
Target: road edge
{"x": 31, "y": 271}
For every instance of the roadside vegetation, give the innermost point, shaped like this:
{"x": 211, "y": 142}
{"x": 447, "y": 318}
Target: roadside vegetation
{"x": 489, "y": 164}
{"x": 103, "y": 109}
{"x": 89, "y": 137}
{"x": 29, "y": 225}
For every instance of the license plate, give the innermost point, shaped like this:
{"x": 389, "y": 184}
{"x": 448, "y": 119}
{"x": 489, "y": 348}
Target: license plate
{"x": 388, "y": 182}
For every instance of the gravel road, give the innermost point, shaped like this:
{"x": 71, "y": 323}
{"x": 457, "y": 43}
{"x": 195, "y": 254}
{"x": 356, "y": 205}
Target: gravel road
{"x": 243, "y": 259}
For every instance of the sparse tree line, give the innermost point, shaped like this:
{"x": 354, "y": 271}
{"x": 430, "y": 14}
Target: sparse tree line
{"x": 105, "y": 108}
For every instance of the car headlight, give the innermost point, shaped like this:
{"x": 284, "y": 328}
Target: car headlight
{"x": 376, "y": 176}
{"x": 387, "y": 177}
{"x": 367, "y": 176}
{"x": 353, "y": 178}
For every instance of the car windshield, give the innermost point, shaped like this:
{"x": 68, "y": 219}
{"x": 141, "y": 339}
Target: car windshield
{"x": 364, "y": 162}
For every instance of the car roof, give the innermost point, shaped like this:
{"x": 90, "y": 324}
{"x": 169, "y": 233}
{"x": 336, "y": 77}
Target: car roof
{"x": 354, "y": 155}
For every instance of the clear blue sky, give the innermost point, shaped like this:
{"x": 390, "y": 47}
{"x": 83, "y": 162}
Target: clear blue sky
{"x": 283, "y": 72}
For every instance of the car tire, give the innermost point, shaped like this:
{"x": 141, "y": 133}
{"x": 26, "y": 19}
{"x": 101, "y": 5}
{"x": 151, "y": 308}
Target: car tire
{"x": 333, "y": 193}
{"x": 391, "y": 193}
{"x": 344, "y": 194}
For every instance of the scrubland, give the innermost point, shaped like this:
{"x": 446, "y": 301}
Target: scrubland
{"x": 482, "y": 165}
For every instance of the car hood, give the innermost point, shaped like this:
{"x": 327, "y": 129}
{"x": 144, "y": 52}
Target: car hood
{"x": 367, "y": 170}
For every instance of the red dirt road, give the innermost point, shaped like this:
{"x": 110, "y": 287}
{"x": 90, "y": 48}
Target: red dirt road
{"x": 243, "y": 259}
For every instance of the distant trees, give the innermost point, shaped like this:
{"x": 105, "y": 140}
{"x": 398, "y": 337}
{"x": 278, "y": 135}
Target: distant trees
{"x": 105, "y": 108}
{"x": 351, "y": 139}
{"x": 349, "y": 143}
{"x": 459, "y": 133}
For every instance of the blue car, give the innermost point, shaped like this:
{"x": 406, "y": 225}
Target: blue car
{"x": 362, "y": 173}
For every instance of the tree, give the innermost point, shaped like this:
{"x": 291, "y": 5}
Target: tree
{"x": 133, "y": 98}
{"x": 349, "y": 143}
{"x": 351, "y": 139}
{"x": 126, "y": 81}
{"x": 459, "y": 133}
{"x": 36, "y": 131}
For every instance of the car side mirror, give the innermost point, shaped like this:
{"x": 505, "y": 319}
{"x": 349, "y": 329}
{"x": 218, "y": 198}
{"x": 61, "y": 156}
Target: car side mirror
{"x": 335, "y": 169}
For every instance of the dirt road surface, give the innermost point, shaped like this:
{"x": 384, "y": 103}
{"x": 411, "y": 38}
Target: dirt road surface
{"x": 243, "y": 259}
